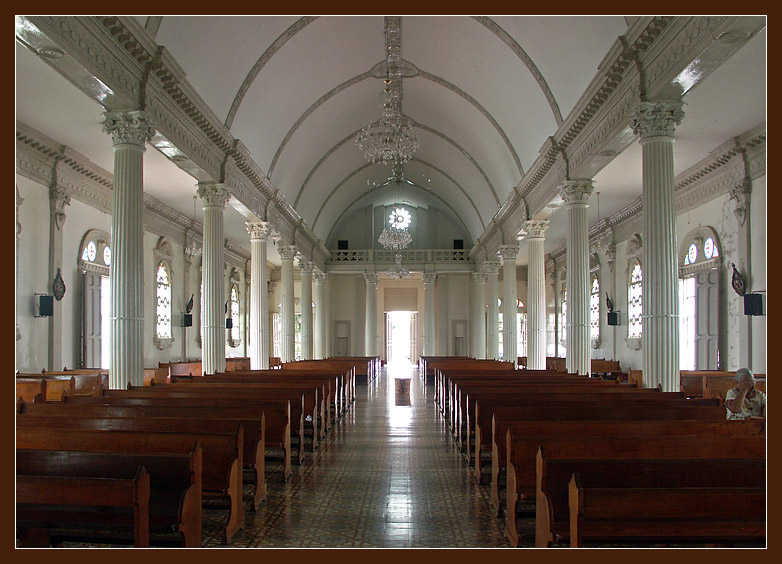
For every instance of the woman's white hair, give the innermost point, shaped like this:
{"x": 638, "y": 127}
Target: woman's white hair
{"x": 742, "y": 373}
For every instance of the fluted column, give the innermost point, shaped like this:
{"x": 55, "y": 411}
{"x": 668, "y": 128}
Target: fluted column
{"x": 370, "y": 317}
{"x": 130, "y": 132}
{"x": 655, "y": 123}
{"x": 479, "y": 315}
{"x": 429, "y": 340}
{"x": 214, "y": 197}
{"x": 259, "y": 299}
{"x": 576, "y": 193}
{"x": 58, "y": 199}
{"x": 306, "y": 268}
{"x": 493, "y": 310}
{"x": 287, "y": 313}
{"x": 509, "y": 308}
{"x": 536, "y": 294}
{"x": 319, "y": 289}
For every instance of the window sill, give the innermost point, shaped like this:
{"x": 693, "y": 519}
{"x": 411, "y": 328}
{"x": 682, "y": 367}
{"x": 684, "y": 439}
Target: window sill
{"x": 163, "y": 344}
{"x": 634, "y": 343}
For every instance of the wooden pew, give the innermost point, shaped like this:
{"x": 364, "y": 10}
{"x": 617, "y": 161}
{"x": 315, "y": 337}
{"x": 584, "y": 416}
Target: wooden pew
{"x": 522, "y": 452}
{"x": 252, "y": 420}
{"x": 191, "y": 368}
{"x": 222, "y": 455}
{"x": 274, "y": 361}
{"x": 276, "y": 412}
{"x": 678, "y": 515}
{"x": 237, "y": 363}
{"x": 174, "y": 496}
{"x": 605, "y": 368}
{"x": 54, "y": 389}
{"x": 156, "y": 376}
{"x": 85, "y": 382}
{"x": 425, "y": 368}
{"x": 718, "y": 386}
{"x": 552, "y": 519}
{"x": 344, "y": 372}
{"x": 28, "y": 389}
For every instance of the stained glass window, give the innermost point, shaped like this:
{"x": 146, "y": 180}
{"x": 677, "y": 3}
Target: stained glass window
{"x": 107, "y": 255}
{"x": 91, "y": 251}
{"x": 163, "y": 302}
{"x": 235, "y": 313}
{"x": 563, "y": 314}
{"x": 634, "y": 300}
{"x": 594, "y": 307}
{"x": 692, "y": 253}
{"x": 710, "y": 249}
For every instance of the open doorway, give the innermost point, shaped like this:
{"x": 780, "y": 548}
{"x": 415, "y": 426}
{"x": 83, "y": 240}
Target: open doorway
{"x": 401, "y": 349}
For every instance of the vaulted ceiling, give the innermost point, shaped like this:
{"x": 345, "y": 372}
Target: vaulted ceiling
{"x": 484, "y": 95}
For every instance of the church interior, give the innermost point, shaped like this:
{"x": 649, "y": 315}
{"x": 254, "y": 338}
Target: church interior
{"x": 423, "y": 263}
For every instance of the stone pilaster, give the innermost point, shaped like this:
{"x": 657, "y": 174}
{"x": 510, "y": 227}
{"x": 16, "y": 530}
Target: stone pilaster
{"x": 655, "y": 123}
{"x": 536, "y": 294}
{"x": 213, "y": 196}
{"x": 509, "y": 308}
{"x": 320, "y": 344}
{"x": 479, "y": 315}
{"x": 306, "y": 268}
{"x": 493, "y": 311}
{"x": 259, "y": 300}
{"x": 576, "y": 193}
{"x": 741, "y": 195}
{"x": 287, "y": 312}
{"x": 58, "y": 200}
{"x": 429, "y": 297}
{"x": 370, "y": 318}
{"x": 19, "y": 201}
{"x": 130, "y": 131}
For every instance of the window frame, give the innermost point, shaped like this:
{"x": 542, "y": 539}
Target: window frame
{"x": 163, "y": 255}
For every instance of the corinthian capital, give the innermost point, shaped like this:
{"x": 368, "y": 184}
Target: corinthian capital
{"x": 509, "y": 252}
{"x": 306, "y": 266}
{"x": 535, "y": 228}
{"x": 576, "y": 191}
{"x": 131, "y": 127}
{"x": 287, "y": 252}
{"x": 58, "y": 199}
{"x": 741, "y": 194}
{"x": 430, "y": 277}
{"x": 213, "y": 194}
{"x": 491, "y": 266}
{"x": 319, "y": 277}
{"x": 371, "y": 278}
{"x": 258, "y": 229}
{"x": 657, "y": 119}
{"x": 480, "y": 277}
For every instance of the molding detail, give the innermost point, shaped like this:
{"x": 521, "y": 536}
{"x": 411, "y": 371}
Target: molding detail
{"x": 741, "y": 194}
{"x": 58, "y": 199}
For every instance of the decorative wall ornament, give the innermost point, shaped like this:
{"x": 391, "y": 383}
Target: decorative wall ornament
{"x": 738, "y": 282}
{"x": 742, "y": 194}
{"x": 58, "y": 199}
{"x": 132, "y": 127}
{"x": 657, "y": 119}
{"x": 58, "y": 286}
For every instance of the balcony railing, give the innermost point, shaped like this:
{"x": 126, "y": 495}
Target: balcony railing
{"x": 409, "y": 256}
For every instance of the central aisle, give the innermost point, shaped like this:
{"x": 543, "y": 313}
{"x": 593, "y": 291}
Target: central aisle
{"x": 386, "y": 476}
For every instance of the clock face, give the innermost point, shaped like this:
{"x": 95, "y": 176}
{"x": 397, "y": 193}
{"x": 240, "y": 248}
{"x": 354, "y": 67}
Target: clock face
{"x": 399, "y": 218}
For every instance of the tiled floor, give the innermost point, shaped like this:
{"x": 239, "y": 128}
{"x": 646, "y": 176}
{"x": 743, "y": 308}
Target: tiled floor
{"x": 387, "y": 475}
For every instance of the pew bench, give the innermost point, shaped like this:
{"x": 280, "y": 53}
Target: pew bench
{"x": 63, "y": 496}
{"x": 222, "y": 456}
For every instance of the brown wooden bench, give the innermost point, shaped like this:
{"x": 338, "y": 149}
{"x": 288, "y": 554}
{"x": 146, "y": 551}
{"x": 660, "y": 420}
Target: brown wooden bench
{"x": 69, "y": 513}
{"x": 155, "y": 375}
{"x": 718, "y": 386}
{"x": 54, "y": 389}
{"x": 236, "y": 363}
{"x": 85, "y": 382}
{"x": 277, "y": 414}
{"x": 28, "y": 389}
{"x": 522, "y": 452}
{"x": 252, "y": 420}
{"x": 552, "y": 516}
{"x": 345, "y": 369}
{"x": 677, "y": 515}
{"x": 222, "y": 455}
{"x": 605, "y": 368}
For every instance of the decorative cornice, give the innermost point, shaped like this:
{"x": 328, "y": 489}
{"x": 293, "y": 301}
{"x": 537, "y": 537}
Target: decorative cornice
{"x": 657, "y": 119}
{"x": 132, "y": 127}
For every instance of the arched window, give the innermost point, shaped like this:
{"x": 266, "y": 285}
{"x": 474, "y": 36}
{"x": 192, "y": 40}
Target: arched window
{"x": 634, "y": 300}
{"x": 163, "y": 305}
{"x": 235, "y": 334}
{"x": 94, "y": 262}
{"x": 563, "y": 319}
{"x": 594, "y": 308}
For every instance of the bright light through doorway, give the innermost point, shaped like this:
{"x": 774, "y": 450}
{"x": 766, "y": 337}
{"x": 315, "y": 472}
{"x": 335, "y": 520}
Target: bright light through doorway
{"x": 399, "y": 343}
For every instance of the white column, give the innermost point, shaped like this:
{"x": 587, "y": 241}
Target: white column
{"x": 259, "y": 298}
{"x": 306, "y": 268}
{"x": 509, "y": 308}
{"x": 319, "y": 289}
{"x": 58, "y": 199}
{"x": 441, "y": 323}
{"x": 272, "y": 307}
{"x": 479, "y": 315}
{"x": 655, "y": 123}
{"x": 742, "y": 196}
{"x": 493, "y": 310}
{"x": 214, "y": 197}
{"x": 370, "y": 318}
{"x": 429, "y": 336}
{"x": 576, "y": 193}
{"x": 536, "y": 294}
{"x": 287, "y": 325}
{"x": 130, "y": 131}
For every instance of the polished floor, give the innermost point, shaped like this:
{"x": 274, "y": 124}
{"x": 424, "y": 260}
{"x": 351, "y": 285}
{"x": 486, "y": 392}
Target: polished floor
{"x": 387, "y": 476}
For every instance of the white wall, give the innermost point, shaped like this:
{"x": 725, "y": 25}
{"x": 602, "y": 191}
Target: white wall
{"x": 758, "y": 279}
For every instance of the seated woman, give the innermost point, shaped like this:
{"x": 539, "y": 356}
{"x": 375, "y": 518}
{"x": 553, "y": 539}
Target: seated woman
{"x": 743, "y": 400}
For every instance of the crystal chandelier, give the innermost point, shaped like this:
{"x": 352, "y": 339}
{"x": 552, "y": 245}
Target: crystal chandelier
{"x": 396, "y": 236}
{"x": 391, "y": 138}
{"x": 397, "y": 271}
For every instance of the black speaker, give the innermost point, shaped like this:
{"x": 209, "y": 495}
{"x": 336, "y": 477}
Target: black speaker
{"x": 229, "y": 323}
{"x": 43, "y": 306}
{"x": 613, "y": 318}
{"x": 753, "y": 304}
{"x": 187, "y": 320}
